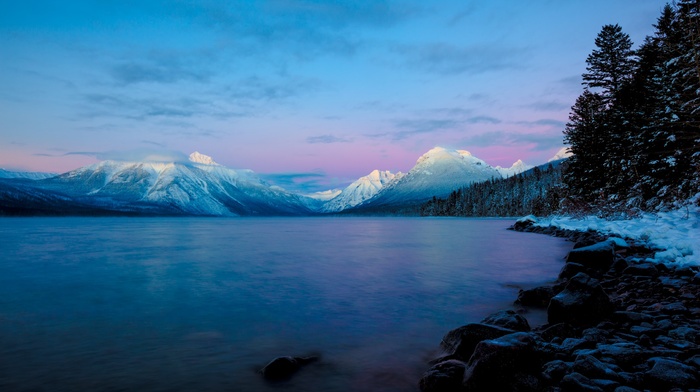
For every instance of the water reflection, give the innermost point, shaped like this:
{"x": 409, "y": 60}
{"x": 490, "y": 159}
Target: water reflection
{"x": 183, "y": 304}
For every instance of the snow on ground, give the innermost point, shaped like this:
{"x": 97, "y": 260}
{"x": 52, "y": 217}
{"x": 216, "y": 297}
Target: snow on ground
{"x": 675, "y": 233}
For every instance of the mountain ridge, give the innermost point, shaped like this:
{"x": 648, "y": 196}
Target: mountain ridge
{"x": 200, "y": 186}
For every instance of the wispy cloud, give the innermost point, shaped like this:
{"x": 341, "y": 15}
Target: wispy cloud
{"x": 549, "y": 106}
{"x": 483, "y": 120}
{"x": 410, "y": 127}
{"x": 137, "y": 155}
{"x": 326, "y": 139}
{"x": 164, "y": 72}
{"x": 255, "y": 88}
{"x": 544, "y": 122}
{"x": 538, "y": 141}
{"x": 442, "y": 58}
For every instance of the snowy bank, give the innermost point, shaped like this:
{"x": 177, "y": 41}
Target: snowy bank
{"x": 676, "y": 234}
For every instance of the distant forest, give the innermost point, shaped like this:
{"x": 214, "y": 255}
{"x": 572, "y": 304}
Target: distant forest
{"x": 634, "y": 132}
{"x": 537, "y": 191}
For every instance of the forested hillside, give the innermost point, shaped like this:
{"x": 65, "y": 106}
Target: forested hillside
{"x": 537, "y": 191}
{"x": 635, "y": 130}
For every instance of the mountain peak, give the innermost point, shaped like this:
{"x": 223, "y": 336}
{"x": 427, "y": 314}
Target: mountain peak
{"x": 516, "y": 168}
{"x": 196, "y": 157}
{"x": 564, "y": 152}
{"x": 439, "y": 153}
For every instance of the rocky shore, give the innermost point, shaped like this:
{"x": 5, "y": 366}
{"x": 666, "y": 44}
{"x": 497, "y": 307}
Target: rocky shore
{"x": 614, "y": 323}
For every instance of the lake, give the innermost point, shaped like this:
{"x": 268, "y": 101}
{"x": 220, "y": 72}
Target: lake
{"x": 183, "y": 304}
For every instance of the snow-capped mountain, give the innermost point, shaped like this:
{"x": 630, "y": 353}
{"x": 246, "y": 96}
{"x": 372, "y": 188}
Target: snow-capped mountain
{"x": 437, "y": 173}
{"x": 325, "y": 195}
{"x": 361, "y": 190}
{"x": 563, "y": 153}
{"x": 196, "y": 157}
{"x": 517, "y": 168}
{"x": 25, "y": 175}
{"x": 200, "y": 187}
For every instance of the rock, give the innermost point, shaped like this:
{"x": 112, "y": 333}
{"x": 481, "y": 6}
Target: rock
{"x": 444, "y": 377}
{"x": 623, "y": 354}
{"x": 571, "y": 269}
{"x": 537, "y": 297}
{"x": 685, "y": 333}
{"x": 283, "y": 368}
{"x": 577, "y": 382}
{"x": 554, "y": 371}
{"x": 561, "y": 330}
{"x": 644, "y": 269}
{"x": 671, "y": 308}
{"x": 525, "y": 223}
{"x": 619, "y": 265}
{"x": 582, "y": 302}
{"x": 496, "y": 362}
{"x": 666, "y": 373}
{"x": 594, "y": 368}
{"x": 569, "y": 345}
{"x": 508, "y": 319}
{"x": 694, "y": 361}
{"x": 599, "y": 256}
{"x": 460, "y": 342}
{"x": 626, "y": 389}
{"x": 634, "y": 317}
{"x": 605, "y": 385}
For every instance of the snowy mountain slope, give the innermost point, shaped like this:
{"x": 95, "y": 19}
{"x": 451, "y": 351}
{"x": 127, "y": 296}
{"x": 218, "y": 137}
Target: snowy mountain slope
{"x": 361, "y": 190}
{"x": 563, "y": 153}
{"x": 325, "y": 195}
{"x": 25, "y": 175}
{"x": 517, "y": 168}
{"x": 177, "y": 188}
{"x": 436, "y": 173}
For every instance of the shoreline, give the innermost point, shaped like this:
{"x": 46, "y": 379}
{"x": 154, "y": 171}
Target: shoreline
{"x": 615, "y": 322}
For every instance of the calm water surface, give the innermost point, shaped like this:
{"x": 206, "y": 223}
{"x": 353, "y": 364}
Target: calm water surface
{"x": 183, "y": 304}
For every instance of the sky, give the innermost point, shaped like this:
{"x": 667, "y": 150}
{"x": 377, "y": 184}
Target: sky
{"x": 310, "y": 94}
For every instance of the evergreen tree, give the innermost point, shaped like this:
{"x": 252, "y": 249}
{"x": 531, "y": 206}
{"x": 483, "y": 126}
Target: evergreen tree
{"x": 686, "y": 78}
{"x": 612, "y": 64}
{"x": 585, "y": 134}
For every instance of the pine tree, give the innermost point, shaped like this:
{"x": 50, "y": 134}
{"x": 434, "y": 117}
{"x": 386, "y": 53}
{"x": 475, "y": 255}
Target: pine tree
{"x": 584, "y": 133}
{"x": 686, "y": 124}
{"x": 612, "y": 64}
{"x": 610, "y": 69}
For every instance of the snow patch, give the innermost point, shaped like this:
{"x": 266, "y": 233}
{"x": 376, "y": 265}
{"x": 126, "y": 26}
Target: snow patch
{"x": 676, "y": 234}
{"x": 563, "y": 153}
{"x": 516, "y": 168}
{"x": 196, "y": 157}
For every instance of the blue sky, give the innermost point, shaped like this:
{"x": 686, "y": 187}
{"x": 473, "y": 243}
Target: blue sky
{"x": 312, "y": 94}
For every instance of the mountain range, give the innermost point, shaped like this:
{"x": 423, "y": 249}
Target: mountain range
{"x": 201, "y": 186}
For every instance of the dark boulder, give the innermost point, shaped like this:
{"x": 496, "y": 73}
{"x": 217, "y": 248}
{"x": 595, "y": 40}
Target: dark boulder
{"x": 506, "y": 362}
{"x": 599, "y": 256}
{"x": 667, "y": 373}
{"x": 445, "y": 376}
{"x": 593, "y": 368}
{"x": 571, "y": 269}
{"x": 460, "y": 342}
{"x": 283, "y": 368}
{"x": 560, "y": 330}
{"x": 577, "y": 382}
{"x": 524, "y": 223}
{"x": 643, "y": 269}
{"x": 624, "y": 354}
{"x": 508, "y": 319}
{"x": 554, "y": 371}
{"x": 582, "y": 302}
{"x": 538, "y": 297}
